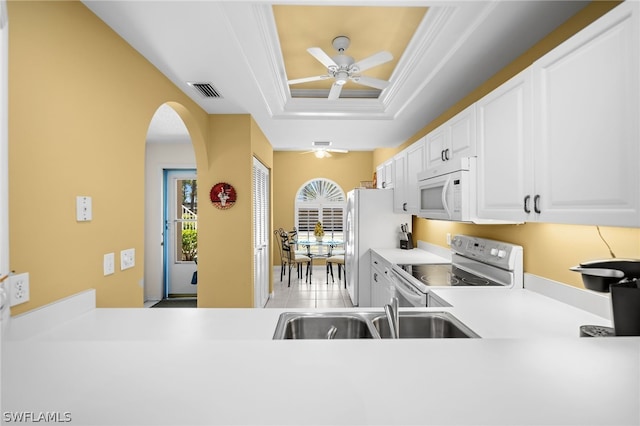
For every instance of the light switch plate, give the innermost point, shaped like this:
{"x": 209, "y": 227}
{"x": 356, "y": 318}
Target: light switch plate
{"x": 109, "y": 263}
{"x": 84, "y": 211}
{"x": 127, "y": 259}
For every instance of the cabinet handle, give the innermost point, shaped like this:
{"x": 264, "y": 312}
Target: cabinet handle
{"x": 446, "y": 154}
{"x": 384, "y": 185}
{"x": 527, "y": 209}
{"x": 375, "y": 277}
{"x": 404, "y": 207}
{"x": 442, "y": 155}
{"x": 536, "y": 204}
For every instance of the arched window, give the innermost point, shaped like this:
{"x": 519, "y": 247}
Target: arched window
{"x": 320, "y": 200}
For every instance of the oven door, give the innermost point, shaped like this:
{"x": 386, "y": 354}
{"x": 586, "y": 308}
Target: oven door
{"x": 408, "y": 295}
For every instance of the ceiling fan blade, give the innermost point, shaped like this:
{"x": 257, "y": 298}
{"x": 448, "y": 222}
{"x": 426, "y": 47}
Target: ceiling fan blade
{"x": 307, "y": 79}
{"x": 372, "y": 82}
{"x": 373, "y": 60}
{"x": 334, "y": 93}
{"x": 341, "y": 151}
{"x": 325, "y": 59}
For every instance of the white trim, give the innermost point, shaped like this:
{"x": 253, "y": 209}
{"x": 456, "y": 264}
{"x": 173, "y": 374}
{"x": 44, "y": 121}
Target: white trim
{"x": 591, "y": 301}
{"x": 434, "y": 249}
{"x": 39, "y": 320}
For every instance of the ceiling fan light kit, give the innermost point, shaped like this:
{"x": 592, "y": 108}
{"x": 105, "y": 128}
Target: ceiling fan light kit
{"x": 343, "y": 68}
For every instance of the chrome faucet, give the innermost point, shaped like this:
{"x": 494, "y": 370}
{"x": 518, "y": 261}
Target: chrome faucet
{"x": 391, "y": 310}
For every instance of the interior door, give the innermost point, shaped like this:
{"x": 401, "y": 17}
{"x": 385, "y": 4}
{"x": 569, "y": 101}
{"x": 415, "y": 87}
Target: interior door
{"x": 261, "y": 250}
{"x": 181, "y": 232}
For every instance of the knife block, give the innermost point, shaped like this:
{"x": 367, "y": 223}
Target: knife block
{"x": 408, "y": 243}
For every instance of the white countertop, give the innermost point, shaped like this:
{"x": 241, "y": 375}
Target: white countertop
{"x": 398, "y": 256}
{"x": 221, "y": 366}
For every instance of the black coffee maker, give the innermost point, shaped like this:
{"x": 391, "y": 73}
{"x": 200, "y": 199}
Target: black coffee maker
{"x": 625, "y": 307}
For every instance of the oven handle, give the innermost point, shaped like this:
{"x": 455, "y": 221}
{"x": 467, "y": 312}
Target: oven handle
{"x": 405, "y": 289}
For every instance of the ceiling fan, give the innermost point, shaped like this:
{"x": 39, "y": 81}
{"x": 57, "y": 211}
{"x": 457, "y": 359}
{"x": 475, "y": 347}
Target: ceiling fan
{"x": 343, "y": 68}
{"x": 321, "y": 150}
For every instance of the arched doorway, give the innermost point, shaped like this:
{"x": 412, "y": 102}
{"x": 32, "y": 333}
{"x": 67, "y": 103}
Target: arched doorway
{"x": 169, "y": 163}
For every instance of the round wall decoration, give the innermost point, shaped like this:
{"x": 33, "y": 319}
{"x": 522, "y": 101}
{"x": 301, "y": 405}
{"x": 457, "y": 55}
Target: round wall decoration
{"x": 223, "y": 195}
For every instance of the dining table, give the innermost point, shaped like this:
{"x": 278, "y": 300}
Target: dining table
{"x": 319, "y": 249}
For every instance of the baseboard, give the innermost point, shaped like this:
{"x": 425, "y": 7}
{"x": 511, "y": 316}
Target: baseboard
{"x": 29, "y": 324}
{"x": 591, "y": 301}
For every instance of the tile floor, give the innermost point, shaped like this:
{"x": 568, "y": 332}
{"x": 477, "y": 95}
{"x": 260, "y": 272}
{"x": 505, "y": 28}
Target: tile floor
{"x": 304, "y": 295}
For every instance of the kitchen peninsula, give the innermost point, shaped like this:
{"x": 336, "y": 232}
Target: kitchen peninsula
{"x": 221, "y": 366}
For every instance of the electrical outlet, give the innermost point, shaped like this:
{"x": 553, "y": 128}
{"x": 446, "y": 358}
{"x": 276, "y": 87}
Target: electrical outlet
{"x": 19, "y": 288}
{"x": 127, "y": 259}
{"x": 109, "y": 263}
{"x": 448, "y": 239}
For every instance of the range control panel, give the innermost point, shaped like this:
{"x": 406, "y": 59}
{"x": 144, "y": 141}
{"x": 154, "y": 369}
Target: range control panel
{"x": 496, "y": 253}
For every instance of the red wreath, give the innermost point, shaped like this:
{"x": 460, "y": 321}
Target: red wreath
{"x": 223, "y": 195}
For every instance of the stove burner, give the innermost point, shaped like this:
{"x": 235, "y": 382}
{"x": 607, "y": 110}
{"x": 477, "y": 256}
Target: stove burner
{"x": 446, "y": 275}
{"x": 475, "y": 281}
{"x": 440, "y": 280}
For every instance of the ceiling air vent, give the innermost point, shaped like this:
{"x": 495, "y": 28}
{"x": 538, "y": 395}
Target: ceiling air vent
{"x": 206, "y": 90}
{"x": 321, "y": 144}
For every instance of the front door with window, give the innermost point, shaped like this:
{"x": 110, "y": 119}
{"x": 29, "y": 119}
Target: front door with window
{"x": 181, "y": 232}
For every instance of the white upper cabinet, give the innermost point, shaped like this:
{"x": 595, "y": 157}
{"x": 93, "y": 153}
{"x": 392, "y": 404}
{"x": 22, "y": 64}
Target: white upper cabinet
{"x": 407, "y": 165}
{"x": 399, "y": 181}
{"x": 505, "y": 151}
{"x": 384, "y": 175}
{"x": 560, "y": 142}
{"x": 587, "y": 125}
{"x": 453, "y": 140}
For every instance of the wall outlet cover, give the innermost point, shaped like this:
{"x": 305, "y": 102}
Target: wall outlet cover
{"x": 19, "y": 289}
{"x": 127, "y": 259}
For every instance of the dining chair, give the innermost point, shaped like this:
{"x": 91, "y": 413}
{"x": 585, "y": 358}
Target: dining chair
{"x": 337, "y": 259}
{"x": 289, "y": 257}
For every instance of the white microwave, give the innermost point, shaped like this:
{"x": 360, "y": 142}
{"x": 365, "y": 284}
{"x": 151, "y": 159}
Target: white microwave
{"x": 449, "y": 195}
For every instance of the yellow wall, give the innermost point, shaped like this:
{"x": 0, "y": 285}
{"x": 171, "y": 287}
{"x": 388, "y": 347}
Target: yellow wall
{"x": 292, "y": 169}
{"x": 80, "y": 102}
{"x": 550, "y": 249}
{"x": 225, "y": 243}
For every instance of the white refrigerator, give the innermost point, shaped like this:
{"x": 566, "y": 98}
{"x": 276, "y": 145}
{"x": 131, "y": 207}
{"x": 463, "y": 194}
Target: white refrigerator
{"x": 370, "y": 223}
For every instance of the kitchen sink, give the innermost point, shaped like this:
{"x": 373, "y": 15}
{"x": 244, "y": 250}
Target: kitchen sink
{"x": 369, "y": 325}
{"x": 424, "y": 325}
{"x": 319, "y": 326}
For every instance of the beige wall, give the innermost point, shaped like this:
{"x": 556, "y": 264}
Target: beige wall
{"x": 292, "y": 169}
{"x": 80, "y": 102}
{"x": 225, "y": 243}
{"x": 550, "y": 249}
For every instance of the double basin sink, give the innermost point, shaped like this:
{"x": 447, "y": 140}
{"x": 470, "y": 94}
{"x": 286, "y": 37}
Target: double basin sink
{"x": 369, "y": 325}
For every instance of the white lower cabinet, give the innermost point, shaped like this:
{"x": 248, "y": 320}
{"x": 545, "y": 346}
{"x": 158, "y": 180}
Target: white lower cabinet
{"x": 380, "y": 281}
{"x": 560, "y": 142}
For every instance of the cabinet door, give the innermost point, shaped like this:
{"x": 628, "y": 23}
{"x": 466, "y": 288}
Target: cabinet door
{"x": 505, "y": 162}
{"x": 462, "y": 130}
{"x": 399, "y": 190}
{"x": 415, "y": 165}
{"x": 587, "y": 154}
{"x": 388, "y": 174}
{"x": 435, "y": 144}
{"x": 380, "y": 176}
